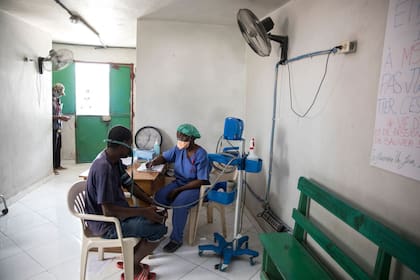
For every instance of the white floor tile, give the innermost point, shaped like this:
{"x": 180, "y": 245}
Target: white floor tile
{"x": 190, "y": 253}
{"x": 239, "y": 268}
{"x": 68, "y": 270}
{"x": 55, "y": 252}
{"x": 202, "y": 274}
{"x": 11, "y": 225}
{"x": 256, "y": 275}
{"x": 40, "y": 236}
{"x": 7, "y": 247}
{"x": 169, "y": 266}
{"x": 44, "y": 276}
{"x": 19, "y": 267}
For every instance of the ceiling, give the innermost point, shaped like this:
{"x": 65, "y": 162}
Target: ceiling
{"x": 115, "y": 21}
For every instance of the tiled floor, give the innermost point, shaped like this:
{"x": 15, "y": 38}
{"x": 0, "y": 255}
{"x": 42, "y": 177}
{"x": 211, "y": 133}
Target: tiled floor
{"x": 40, "y": 240}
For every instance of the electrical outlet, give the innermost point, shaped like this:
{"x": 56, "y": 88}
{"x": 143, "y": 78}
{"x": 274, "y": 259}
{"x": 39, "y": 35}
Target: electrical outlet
{"x": 348, "y": 47}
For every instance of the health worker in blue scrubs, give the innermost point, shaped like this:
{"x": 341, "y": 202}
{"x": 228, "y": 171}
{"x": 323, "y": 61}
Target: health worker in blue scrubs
{"x": 191, "y": 168}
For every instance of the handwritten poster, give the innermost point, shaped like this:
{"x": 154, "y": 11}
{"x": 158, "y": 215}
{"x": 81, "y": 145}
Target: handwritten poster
{"x": 396, "y": 142}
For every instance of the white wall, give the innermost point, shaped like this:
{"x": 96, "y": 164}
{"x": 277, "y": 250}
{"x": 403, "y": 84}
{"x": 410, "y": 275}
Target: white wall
{"x": 333, "y": 144}
{"x": 90, "y": 54}
{"x": 189, "y": 73}
{"x": 25, "y": 108}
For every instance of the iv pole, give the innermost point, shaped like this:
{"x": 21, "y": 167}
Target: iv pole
{"x": 239, "y": 244}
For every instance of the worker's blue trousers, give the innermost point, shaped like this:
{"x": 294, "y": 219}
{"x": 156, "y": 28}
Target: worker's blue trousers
{"x": 179, "y": 217}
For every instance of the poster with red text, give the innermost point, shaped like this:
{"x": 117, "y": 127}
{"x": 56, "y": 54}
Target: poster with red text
{"x": 396, "y": 141}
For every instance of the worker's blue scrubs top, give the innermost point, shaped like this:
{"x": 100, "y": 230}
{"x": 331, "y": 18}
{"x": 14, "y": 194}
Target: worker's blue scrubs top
{"x": 186, "y": 170}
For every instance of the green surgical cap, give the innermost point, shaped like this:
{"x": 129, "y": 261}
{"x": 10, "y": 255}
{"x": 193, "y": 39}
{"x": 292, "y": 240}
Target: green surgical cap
{"x": 189, "y": 130}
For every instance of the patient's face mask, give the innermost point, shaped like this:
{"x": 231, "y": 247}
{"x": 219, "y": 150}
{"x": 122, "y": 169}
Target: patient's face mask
{"x": 128, "y": 150}
{"x": 182, "y": 144}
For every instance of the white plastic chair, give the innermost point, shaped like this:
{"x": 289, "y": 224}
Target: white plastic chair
{"x": 76, "y": 205}
{"x": 193, "y": 217}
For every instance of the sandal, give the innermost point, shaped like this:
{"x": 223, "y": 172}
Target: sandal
{"x": 120, "y": 265}
{"x": 142, "y": 276}
{"x": 151, "y": 276}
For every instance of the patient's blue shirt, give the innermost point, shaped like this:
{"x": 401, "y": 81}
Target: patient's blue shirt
{"x": 103, "y": 185}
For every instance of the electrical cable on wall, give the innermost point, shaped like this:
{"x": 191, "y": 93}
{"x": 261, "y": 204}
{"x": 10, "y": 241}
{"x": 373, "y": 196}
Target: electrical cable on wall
{"x": 333, "y": 50}
{"x": 267, "y": 213}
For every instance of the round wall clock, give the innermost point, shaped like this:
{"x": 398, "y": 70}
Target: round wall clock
{"x": 146, "y": 137}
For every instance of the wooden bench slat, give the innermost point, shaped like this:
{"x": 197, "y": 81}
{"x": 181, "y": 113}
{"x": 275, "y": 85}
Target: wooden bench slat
{"x": 405, "y": 251}
{"x": 292, "y": 260}
{"x": 352, "y": 268}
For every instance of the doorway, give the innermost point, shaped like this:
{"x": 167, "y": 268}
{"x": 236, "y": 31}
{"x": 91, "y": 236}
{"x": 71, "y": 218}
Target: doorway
{"x": 100, "y": 96}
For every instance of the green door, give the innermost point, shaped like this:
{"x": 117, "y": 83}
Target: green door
{"x": 91, "y": 130}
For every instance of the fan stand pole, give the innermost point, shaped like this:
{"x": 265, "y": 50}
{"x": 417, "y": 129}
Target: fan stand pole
{"x": 239, "y": 244}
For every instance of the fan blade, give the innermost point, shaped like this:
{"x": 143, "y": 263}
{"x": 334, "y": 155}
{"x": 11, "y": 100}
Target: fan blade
{"x": 254, "y": 32}
{"x": 60, "y": 59}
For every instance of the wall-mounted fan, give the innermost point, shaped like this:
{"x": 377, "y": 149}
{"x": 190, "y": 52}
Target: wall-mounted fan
{"x": 56, "y": 60}
{"x": 256, "y": 34}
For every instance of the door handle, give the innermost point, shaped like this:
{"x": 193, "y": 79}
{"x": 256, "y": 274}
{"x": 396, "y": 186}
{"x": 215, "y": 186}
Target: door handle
{"x": 106, "y": 118}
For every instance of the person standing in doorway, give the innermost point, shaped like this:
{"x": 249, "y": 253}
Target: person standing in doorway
{"x": 57, "y": 119}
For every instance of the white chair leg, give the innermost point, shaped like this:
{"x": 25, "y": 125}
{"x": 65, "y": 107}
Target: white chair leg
{"x": 100, "y": 253}
{"x": 83, "y": 262}
{"x": 192, "y": 224}
{"x": 128, "y": 255}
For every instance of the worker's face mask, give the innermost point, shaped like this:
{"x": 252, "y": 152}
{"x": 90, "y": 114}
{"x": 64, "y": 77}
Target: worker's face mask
{"x": 182, "y": 144}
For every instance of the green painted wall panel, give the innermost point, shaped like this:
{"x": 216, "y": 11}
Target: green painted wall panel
{"x": 120, "y": 85}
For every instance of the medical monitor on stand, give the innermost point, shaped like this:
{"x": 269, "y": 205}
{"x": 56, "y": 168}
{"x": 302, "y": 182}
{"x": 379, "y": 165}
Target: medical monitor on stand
{"x": 239, "y": 245}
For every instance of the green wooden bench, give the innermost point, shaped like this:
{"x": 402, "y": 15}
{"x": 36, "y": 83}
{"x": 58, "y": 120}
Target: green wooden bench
{"x": 288, "y": 256}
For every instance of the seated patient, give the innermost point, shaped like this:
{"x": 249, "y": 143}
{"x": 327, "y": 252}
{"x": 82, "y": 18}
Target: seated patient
{"x": 191, "y": 167}
{"x": 104, "y": 196}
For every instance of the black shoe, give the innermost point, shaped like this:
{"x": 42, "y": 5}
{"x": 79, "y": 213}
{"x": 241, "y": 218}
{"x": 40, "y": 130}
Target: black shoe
{"x": 172, "y": 246}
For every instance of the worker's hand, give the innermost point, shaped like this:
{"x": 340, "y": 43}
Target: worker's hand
{"x": 173, "y": 194}
{"x": 151, "y": 214}
{"x": 149, "y": 164}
